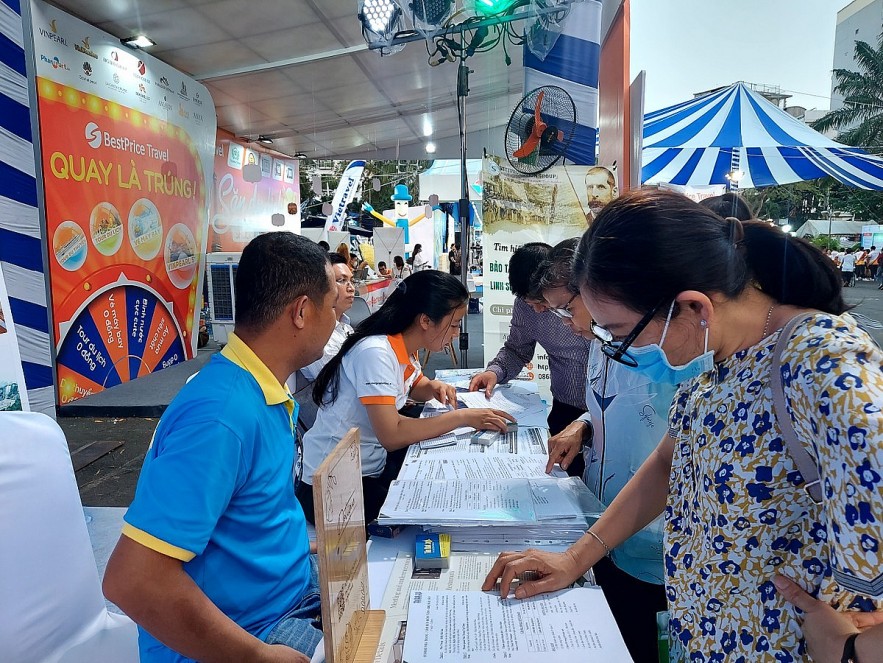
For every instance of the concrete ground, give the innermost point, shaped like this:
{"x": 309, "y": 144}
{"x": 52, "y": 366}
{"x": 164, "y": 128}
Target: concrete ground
{"x": 110, "y": 480}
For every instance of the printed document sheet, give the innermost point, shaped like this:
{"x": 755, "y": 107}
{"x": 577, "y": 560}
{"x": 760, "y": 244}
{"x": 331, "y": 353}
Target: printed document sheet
{"x": 458, "y": 627}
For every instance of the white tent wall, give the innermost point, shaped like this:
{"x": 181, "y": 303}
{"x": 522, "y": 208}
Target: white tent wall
{"x": 442, "y": 179}
{"x": 835, "y": 228}
{"x": 21, "y": 243}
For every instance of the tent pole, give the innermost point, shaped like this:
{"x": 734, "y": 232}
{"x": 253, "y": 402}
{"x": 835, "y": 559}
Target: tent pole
{"x": 463, "y": 206}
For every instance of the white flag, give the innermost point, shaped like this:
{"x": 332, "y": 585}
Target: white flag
{"x": 343, "y": 196}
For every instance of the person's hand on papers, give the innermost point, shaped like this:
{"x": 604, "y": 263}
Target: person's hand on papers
{"x": 565, "y": 446}
{"x": 486, "y": 380}
{"x": 485, "y": 419}
{"x": 444, "y": 393}
{"x": 556, "y": 571}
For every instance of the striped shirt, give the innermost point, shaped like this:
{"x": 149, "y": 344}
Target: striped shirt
{"x": 568, "y": 353}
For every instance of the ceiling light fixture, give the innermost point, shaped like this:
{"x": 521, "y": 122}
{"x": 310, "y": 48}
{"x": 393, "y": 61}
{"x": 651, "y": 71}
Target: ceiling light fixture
{"x": 432, "y": 11}
{"x": 427, "y": 127}
{"x": 430, "y": 16}
{"x": 493, "y": 7}
{"x": 266, "y": 140}
{"x": 381, "y": 20}
{"x": 430, "y": 147}
{"x": 138, "y": 41}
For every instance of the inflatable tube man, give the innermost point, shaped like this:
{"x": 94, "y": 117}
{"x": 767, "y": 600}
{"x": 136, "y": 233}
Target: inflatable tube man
{"x": 400, "y": 200}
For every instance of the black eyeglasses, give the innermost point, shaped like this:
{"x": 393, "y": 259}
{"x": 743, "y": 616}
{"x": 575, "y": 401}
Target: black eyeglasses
{"x": 617, "y": 351}
{"x": 563, "y": 312}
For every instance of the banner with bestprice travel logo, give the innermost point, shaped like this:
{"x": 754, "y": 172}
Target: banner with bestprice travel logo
{"x": 127, "y": 147}
{"x": 243, "y": 208}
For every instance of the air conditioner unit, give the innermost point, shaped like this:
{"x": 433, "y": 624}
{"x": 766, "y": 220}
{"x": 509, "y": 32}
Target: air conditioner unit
{"x": 221, "y": 276}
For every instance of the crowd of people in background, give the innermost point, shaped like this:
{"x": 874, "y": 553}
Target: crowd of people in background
{"x": 857, "y": 265}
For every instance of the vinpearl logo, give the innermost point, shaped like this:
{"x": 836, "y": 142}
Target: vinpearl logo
{"x": 93, "y": 135}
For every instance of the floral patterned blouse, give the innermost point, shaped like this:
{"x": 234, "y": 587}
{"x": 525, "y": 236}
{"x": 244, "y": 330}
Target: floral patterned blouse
{"x": 737, "y": 512}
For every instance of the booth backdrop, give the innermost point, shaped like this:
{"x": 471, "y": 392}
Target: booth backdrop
{"x": 127, "y": 149}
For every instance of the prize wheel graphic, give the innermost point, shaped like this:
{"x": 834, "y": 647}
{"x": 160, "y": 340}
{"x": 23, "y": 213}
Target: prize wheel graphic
{"x": 122, "y": 333}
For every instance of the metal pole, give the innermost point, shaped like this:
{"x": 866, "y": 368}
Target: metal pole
{"x": 828, "y": 205}
{"x": 463, "y": 206}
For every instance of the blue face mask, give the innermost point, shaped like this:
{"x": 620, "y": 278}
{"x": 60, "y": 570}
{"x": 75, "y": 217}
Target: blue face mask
{"x": 653, "y": 363}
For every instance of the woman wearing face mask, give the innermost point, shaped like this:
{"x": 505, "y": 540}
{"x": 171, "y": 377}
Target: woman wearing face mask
{"x": 739, "y": 515}
{"x": 626, "y": 415}
{"x": 376, "y": 370}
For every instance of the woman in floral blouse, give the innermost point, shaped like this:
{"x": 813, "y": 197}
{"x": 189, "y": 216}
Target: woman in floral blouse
{"x": 680, "y": 294}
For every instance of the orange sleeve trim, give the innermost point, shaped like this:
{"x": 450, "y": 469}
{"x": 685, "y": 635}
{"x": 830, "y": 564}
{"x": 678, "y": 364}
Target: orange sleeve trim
{"x": 160, "y": 546}
{"x": 378, "y": 400}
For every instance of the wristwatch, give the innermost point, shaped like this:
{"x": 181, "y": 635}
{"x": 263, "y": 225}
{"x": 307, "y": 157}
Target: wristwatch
{"x": 849, "y": 655}
{"x": 588, "y": 434}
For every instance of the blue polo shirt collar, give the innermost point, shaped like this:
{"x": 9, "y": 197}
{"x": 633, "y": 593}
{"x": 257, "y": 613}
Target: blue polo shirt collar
{"x": 243, "y": 356}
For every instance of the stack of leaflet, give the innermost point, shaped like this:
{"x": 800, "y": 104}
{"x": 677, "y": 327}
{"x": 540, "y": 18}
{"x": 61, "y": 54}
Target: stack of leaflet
{"x": 489, "y": 514}
{"x": 521, "y": 402}
{"x": 493, "y": 495}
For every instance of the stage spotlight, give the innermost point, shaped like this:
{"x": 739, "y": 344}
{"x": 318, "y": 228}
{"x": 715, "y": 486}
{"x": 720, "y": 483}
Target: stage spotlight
{"x": 381, "y": 20}
{"x": 431, "y": 14}
{"x": 493, "y": 7}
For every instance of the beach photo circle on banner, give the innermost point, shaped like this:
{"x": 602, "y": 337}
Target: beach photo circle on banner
{"x": 180, "y": 256}
{"x": 145, "y": 229}
{"x": 69, "y": 245}
{"x": 106, "y": 229}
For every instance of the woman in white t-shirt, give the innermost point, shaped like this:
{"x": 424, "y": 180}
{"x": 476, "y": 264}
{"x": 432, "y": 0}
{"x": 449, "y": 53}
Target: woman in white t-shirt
{"x": 375, "y": 373}
{"x": 847, "y": 267}
{"x": 402, "y": 270}
{"x": 421, "y": 260}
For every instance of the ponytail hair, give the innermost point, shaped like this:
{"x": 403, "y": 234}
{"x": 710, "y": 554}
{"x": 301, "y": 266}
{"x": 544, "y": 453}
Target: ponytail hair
{"x": 430, "y": 292}
{"x": 649, "y": 245}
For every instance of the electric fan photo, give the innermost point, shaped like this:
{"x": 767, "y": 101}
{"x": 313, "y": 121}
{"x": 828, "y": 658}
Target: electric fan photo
{"x": 540, "y": 129}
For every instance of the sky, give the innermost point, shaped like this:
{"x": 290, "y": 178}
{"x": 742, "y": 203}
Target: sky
{"x": 688, "y": 46}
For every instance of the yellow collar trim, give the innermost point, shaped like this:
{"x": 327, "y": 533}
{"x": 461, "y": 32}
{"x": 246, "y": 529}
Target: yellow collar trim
{"x": 240, "y": 354}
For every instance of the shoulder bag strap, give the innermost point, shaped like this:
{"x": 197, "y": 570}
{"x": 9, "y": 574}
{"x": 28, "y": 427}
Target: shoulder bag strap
{"x": 805, "y": 463}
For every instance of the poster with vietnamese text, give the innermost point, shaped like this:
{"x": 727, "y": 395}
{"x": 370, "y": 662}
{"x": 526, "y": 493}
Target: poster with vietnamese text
{"x": 549, "y": 207}
{"x": 127, "y": 152}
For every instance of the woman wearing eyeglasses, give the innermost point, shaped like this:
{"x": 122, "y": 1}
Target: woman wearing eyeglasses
{"x": 626, "y": 415}
{"x": 301, "y": 382}
{"x": 678, "y": 294}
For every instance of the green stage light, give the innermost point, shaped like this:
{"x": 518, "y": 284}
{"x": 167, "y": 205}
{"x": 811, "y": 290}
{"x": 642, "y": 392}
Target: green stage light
{"x": 493, "y": 7}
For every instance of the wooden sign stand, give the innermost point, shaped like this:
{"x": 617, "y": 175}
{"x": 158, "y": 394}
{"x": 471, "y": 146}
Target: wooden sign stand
{"x": 351, "y": 630}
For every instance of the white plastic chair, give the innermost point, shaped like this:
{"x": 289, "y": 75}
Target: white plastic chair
{"x": 359, "y": 311}
{"x": 51, "y": 605}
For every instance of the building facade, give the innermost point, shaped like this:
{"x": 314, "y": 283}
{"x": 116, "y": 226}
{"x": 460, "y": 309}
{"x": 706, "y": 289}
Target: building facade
{"x": 860, "y": 20}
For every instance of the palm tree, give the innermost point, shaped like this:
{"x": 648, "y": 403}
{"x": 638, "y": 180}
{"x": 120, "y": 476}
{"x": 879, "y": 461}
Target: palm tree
{"x": 861, "y": 118}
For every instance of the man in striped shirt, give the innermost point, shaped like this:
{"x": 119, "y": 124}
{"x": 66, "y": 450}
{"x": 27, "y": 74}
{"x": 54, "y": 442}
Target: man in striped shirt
{"x": 532, "y": 323}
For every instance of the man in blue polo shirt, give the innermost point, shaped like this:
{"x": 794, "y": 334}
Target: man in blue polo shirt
{"x": 214, "y": 562}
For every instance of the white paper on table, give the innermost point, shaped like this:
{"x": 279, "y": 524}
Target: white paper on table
{"x": 471, "y": 467}
{"x": 526, "y": 408}
{"x": 530, "y": 442}
{"x": 478, "y": 626}
{"x": 435, "y": 404}
{"x": 503, "y": 399}
{"x": 465, "y": 573}
{"x": 550, "y": 502}
{"x": 501, "y": 502}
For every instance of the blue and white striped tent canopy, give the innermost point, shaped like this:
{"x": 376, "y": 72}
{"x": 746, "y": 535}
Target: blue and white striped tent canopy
{"x": 694, "y": 143}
